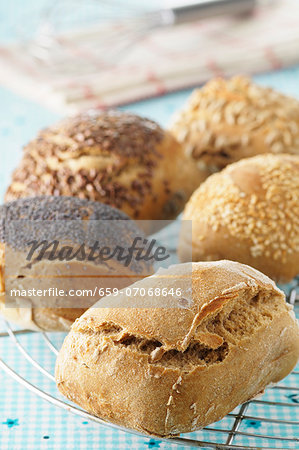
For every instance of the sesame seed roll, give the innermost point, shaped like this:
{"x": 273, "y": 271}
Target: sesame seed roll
{"x": 248, "y": 212}
{"x": 117, "y": 158}
{"x": 227, "y": 120}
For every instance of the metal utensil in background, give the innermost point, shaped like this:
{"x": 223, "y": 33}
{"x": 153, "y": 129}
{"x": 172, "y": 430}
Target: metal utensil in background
{"x": 189, "y": 11}
{"x": 114, "y": 28}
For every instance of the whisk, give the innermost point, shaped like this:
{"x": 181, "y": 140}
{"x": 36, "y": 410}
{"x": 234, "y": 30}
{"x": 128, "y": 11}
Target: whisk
{"x": 105, "y": 39}
{"x": 181, "y": 11}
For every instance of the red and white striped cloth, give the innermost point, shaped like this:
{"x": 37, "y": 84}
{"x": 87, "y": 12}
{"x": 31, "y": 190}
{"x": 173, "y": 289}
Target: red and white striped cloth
{"x": 164, "y": 60}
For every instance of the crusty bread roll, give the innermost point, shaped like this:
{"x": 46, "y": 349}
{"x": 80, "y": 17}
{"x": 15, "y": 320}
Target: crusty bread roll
{"x": 249, "y": 213}
{"x": 175, "y": 369}
{"x": 94, "y": 224}
{"x": 228, "y": 120}
{"x": 116, "y": 158}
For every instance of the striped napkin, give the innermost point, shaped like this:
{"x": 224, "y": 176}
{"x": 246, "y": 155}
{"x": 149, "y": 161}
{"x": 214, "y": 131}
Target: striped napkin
{"x": 79, "y": 76}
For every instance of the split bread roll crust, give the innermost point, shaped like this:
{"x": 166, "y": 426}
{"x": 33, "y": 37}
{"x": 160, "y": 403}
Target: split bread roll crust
{"x": 113, "y": 157}
{"x": 58, "y": 218}
{"x": 249, "y": 212}
{"x": 227, "y": 120}
{"x": 181, "y": 366}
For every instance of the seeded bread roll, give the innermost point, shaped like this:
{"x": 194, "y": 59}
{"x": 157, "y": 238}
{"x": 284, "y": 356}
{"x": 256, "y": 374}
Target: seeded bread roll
{"x": 55, "y": 219}
{"x": 249, "y": 213}
{"x": 116, "y": 158}
{"x": 228, "y": 120}
{"x": 166, "y": 371}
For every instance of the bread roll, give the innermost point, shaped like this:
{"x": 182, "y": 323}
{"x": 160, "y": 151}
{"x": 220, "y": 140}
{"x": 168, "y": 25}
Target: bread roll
{"x": 20, "y": 224}
{"x": 228, "y": 120}
{"x": 165, "y": 371}
{"x": 249, "y": 213}
{"x": 116, "y": 158}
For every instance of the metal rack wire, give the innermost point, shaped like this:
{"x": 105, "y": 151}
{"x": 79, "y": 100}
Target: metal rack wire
{"x": 228, "y": 434}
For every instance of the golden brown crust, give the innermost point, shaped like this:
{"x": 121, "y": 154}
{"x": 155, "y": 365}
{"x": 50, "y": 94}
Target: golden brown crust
{"x": 117, "y": 158}
{"x": 202, "y": 281}
{"x": 248, "y": 213}
{"x": 228, "y": 120}
{"x": 165, "y": 371}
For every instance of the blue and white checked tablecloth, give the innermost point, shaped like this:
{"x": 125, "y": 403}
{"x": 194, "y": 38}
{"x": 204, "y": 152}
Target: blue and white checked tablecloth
{"x": 28, "y": 422}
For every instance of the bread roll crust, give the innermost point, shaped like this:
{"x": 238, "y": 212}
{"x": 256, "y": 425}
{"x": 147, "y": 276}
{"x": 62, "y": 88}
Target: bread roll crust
{"x": 227, "y": 120}
{"x": 166, "y": 371}
{"x": 39, "y": 313}
{"x": 248, "y": 213}
{"x": 117, "y": 158}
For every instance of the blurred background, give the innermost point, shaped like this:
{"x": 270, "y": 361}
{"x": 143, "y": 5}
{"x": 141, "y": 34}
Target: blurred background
{"x": 61, "y": 57}
{"x": 70, "y": 55}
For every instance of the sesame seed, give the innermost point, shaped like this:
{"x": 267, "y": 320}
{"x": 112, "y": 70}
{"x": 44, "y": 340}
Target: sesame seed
{"x": 267, "y": 217}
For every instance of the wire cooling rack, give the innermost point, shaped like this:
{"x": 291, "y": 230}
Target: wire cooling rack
{"x": 276, "y": 412}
